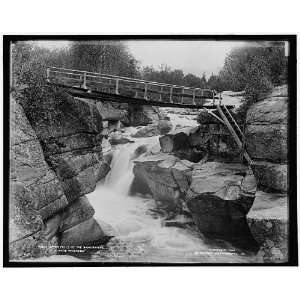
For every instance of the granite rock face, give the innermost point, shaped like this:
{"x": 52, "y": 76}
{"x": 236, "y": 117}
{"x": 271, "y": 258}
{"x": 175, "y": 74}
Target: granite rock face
{"x": 266, "y": 139}
{"x": 110, "y": 111}
{"x": 143, "y": 115}
{"x": 193, "y": 143}
{"x": 55, "y": 160}
{"x": 160, "y": 174}
{"x": 217, "y": 195}
{"x": 70, "y": 134}
{"x": 271, "y": 176}
{"x": 158, "y": 128}
{"x": 268, "y": 222}
{"x": 35, "y": 191}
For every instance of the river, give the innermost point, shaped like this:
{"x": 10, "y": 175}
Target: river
{"x": 140, "y": 235}
{"x": 139, "y": 231}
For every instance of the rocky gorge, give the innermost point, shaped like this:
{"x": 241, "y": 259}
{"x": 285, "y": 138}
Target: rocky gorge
{"x": 200, "y": 188}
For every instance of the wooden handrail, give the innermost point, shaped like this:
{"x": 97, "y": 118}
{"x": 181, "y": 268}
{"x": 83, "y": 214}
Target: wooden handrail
{"x": 130, "y": 79}
{"x": 234, "y": 135}
{"x": 119, "y": 85}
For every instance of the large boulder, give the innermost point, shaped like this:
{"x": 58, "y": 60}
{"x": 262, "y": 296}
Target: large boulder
{"x": 78, "y": 227}
{"x": 110, "y": 111}
{"x": 142, "y": 115}
{"x": 179, "y": 144}
{"x": 164, "y": 175}
{"x": 219, "y": 197}
{"x": 158, "y": 128}
{"x": 146, "y": 131}
{"x": 193, "y": 143}
{"x": 266, "y": 130}
{"x": 268, "y": 222}
{"x": 266, "y": 139}
{"x": 271, "y": 176}
{"x": 164, "y": 126}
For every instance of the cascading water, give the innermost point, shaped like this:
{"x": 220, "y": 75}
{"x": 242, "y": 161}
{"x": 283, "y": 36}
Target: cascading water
{"x": 140, "y": 235}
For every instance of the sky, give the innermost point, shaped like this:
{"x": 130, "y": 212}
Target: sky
{"x": 196, "y": 57}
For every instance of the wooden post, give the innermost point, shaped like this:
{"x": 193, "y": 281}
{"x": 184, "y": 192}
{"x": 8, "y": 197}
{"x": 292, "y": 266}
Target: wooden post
{"x": 182, "y": 95}
{"x": 136, "y": 91}
{"x": 48, "y": 74}
{"x": 145, "y": 93}
{"x": 220, "y": 99}
{"x": 171, "y": 92}
{"x": 243, "y": 147}
{"x": 84, "y": 80}
{"x": 117, "y": 86}
{"x": 194, "y": 94}
{"x": 213, "y": 97}
{"x": 160, "y": 95}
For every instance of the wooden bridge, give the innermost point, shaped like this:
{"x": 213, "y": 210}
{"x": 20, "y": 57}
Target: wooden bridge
{"x": 103, "y": 87}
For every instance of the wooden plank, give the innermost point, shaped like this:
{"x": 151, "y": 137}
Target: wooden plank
{"x": 235, "y": 123}
{"x": 234, "y": 135}
{"x": 133, "y": 80}
{"x": 215, "y": 116}
{"x": 102, "y": 96}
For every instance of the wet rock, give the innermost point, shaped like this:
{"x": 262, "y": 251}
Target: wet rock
{"x": 164, "y": 126}
{"x": 166, "y": 143}
{"x": 139, "y": 151}
{"x": 164, "y": 175}
{"x": 179, "y": 145}
{"x": 142, "y": 115}
{"x": 76, "y": 213}
{"x": 268, "y": 222}
{"x": 161, "y": 127}
{"x": 180, "y": 222}
{"x": 155, "y": 149}
{"x": 271, "y": 176}
{"x": 120, "y": 141}
{"x": 219, "y": 197}
{"x": 111, "y": 112}
{"x": 147, "y": 131}
{"x": 85, "y": 233}
{"x": 193, "y": 143}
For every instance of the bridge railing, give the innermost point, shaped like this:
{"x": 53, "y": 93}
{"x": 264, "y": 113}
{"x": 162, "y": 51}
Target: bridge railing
{"x": 130, "y": 87}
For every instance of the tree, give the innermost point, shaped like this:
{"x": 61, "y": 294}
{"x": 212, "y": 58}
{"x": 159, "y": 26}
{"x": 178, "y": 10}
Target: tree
{"x": 103, "y": 57}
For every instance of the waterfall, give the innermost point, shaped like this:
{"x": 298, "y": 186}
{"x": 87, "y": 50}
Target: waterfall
{"x": 136, "y": 227}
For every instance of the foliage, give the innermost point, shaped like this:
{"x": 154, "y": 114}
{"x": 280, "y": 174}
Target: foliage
{"x": 166, "y": 75}
{"x": 103, "y": 57}
{"x": 29, "y": 63}
{"x": 254, "y": 69}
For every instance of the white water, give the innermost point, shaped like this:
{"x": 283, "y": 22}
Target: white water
{"x": 139, "y": 234}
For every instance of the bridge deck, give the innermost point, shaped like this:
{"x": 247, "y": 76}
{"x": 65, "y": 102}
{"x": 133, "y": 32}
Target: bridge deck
{"x": 101, "y": 87}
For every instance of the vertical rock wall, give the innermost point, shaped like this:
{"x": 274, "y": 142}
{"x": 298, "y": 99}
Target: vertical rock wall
{"x": 266, "y": 142}
{"x": 266, "y": 139}
{"x": 55, "y": 160}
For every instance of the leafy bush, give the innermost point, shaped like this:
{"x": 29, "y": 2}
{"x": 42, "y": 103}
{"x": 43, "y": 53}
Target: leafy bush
{"x": 166, "y": 75}
{"x": 29, "y": 64}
